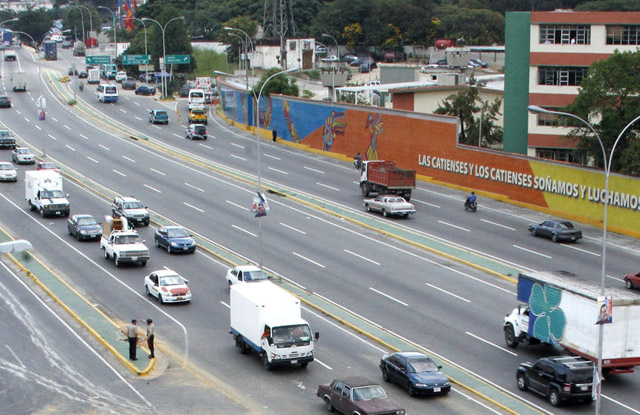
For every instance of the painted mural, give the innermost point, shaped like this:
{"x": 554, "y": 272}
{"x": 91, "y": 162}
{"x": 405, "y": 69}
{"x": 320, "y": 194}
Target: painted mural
{"x": 428, "y": 144}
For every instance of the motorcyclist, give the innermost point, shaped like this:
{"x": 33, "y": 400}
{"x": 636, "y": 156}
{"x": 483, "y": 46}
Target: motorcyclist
{"x": 81, "y": 86}
{"x": 357, "y": 161}
{"x": 470, "y": 199}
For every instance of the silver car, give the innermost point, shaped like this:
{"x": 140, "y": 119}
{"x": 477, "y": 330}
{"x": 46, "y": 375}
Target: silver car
{"x": 7, "y": 172}
{"x": 23, "y": 155}
{"x": 389, "y": 205}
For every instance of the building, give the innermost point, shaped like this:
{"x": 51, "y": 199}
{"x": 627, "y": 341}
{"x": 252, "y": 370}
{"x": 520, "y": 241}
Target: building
{"x": 547, "y": 56}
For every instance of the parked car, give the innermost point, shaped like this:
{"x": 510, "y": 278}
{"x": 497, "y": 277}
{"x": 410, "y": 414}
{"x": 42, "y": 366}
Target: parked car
{"x": 389, "y": 205}
{"x": 349, "y": 58}
{"x": 174, "y": 239}
{"x": 198, "y": 116}
{"x": 330, "y": 58}
{"x": 197, "y": 131}
{"x": 8, "y": 173}
{"x": 167, "y": 286}
{"x": 559, "y": 378}
{"x": 84, "y": 227}
{"x": 321, "y": 49}
{"x": 47, "y": 165}
{"x": 357, "y": 395}
{"x": 129, "y": 83}
{"x": 145, "y": 90}
{"x": 158, "y": 117}
{"x": 5, "y": 101}
{"x": 7, "y": 140}
{"x": 245, "y": 273}
{"x": 184, "y": 90}
{"x": 632, "y": 280}
{"x": 23, "y": 155}
{"x": 131, "y": 208}
{"x": 479, "y": 62}
{"x": 472, "y": 65}
{"x": 557, "y": 230}
{"x": 415, "y": 372}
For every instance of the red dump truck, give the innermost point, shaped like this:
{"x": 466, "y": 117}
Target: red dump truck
{"x": 385, "y": 177}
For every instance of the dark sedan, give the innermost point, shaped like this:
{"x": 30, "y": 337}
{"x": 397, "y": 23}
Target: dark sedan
{"x": 83, "y": 74}
{"x": 557, "y": 230}
{"x": 415, "y": 372}
{"x": 129, "y": 83}
{"x": 146, "y": 90}
{"x": 5, "y": 101}
{"x": 175, "y": 239}
{"x": 84, "y": 227}
{"x": 357, "y": 395}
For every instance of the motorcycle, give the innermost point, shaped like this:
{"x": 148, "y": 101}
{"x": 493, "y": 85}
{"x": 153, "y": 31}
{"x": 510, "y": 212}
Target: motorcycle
{"x": 81, "y": 87}
{"x": 471, "y": 206}
{"x": 357, "y": 162}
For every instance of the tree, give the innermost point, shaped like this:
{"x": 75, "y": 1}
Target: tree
{"x": 281, "y": 84}
{"x": 34, "y": 22}
{"x": 608, "y": 97}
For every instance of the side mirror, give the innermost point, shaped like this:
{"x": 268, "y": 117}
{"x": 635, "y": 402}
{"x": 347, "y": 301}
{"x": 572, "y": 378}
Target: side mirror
{"x": 144, "y": 241}
{"x": 439, "y": 367}
{"x": 316, "y": 335}
{"x": 186, "y": 281}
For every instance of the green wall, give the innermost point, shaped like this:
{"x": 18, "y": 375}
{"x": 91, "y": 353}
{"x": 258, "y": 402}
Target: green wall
{"x": 516, "y": 81}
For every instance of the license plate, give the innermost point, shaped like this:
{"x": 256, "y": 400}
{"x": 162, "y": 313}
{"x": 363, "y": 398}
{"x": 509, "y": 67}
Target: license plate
{"x": 293, "y": 362}
{"x": 185, "y": 248}
{"x": 436, "y": 389}
{"x": 57, "y": 212}
{"x": 180, "y": 298}
{"x": 134, "y": 258}
{"x": 584, "y": 388}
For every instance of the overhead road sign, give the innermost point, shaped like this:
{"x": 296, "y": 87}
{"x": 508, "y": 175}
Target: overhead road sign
{"x": 178, "y": 59}
{"x": 97, "y": 59}
{"x": 135, "y": 59}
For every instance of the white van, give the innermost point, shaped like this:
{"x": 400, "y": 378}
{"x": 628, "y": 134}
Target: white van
{"x": 196, "y": 98}
{"x": 107, "y": 93}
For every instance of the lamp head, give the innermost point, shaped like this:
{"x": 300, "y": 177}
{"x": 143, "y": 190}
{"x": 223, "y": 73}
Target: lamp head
{"x": 534, "y": 109}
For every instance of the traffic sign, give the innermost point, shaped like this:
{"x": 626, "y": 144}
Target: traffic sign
{"x": 178, "y": 59}
{"x": 135, "y": 59}
{"x": 97, "y": 59}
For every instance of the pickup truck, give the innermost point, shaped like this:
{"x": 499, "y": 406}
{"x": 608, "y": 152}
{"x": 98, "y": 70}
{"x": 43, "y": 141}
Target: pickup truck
{"x": 7, "y": 140}
{"x": 121, "y": 243}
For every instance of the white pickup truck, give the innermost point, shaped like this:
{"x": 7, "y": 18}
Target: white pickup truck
{"x": 121, "y": 243}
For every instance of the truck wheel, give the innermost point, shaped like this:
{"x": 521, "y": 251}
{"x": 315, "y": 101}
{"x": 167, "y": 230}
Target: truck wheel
{"x": 143, "y": 263}
{"x": 41, "y": 212}
{"x": 510, "y": 337}
{"x": 265, "y": 362}
{"x": 522, "y": 382}
{"x": 328, "y": 404}
{"x": 105, "y": 254}
{"x": 554, "y": 397}
{"x": 385, "y": 374}
{"x": 115, "y": 260}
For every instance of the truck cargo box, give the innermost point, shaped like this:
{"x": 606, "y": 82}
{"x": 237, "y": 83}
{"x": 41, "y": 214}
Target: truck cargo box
{"x": 388, "y": 174}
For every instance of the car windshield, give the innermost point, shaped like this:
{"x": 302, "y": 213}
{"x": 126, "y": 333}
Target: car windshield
{"x": 200, "y": 129}
{"x": 23, "y": 151}
{"x": 256, "y": 275}
{"x": 291, "y": 334}
{"x": 133, "y": 205}
{"x": 6, "y": 166}
{"x": 87, "y": 221}
{"x": 421, "y": 365}
{"x": 177, "y": 233}
{"x": 171, "y": 280}
{"x": 5, "y": 133}
{"x": 365, "y": 393}
{"x": 197, "y": 112}
{"x": 51, "y": 194}
{"x": 127, "y": 239}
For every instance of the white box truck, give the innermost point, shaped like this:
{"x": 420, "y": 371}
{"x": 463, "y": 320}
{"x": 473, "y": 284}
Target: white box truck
{"x": 562, "y": 309}
{"x": 19, "y": 81}
{"x": 93, "y": 76}
{"x": 43, "y": 191}
{"x": 267, "y": 319}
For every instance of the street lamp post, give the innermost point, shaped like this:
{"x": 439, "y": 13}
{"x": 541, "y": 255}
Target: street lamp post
{"x": 607, "y": 169}
{"x": 246, "y": 68}
{"x": 90, "y": 22}
{"x": 115, "y": 30}
{"x": 146, "y": 72}
{"x": 253, "y": 49}
{"x": 81, "y": 20}
{"x": 164, "y": 50}
{"x": 15, "y": 19}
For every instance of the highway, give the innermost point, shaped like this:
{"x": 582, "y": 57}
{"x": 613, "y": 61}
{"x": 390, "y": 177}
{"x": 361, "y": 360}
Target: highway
{"x": 450, "y": 309}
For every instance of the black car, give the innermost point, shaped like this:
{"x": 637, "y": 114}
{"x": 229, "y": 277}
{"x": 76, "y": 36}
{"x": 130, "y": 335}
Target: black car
{"x": 175, "y": 239}
{"x": 145, "y": 90}
{"x": 129, "y": 83}
{"x": 83, "y": 74}
{"x": 197, "y": 131}
{"x": 5, "y": 101}
{"x": 557, "y": 230}
{"x": 84, "y": 227}
{"x": 184, "y": 90}
{"x": 415, "y": 372}
{"x": 559, "y": 378}
{"x": 7, "y": 140}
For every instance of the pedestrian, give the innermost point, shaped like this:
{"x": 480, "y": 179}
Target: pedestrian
{"x": 151, "y": 330}
{"x": 274, "y": 135}
{"x": 132, "y": 336}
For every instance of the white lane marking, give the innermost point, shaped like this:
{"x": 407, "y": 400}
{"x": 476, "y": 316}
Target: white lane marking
{"x": 389, "y": 297}
{"x": 237, "y": 205}
{"x": 117, "y": 172}
{"x": 205, "y": 146}
{"x": 238, "y": 157}
{"x": 273, "y": 157}
{"x": 425, "y": 203}
{"x": 244, "y": 230}
{"x": 315, "y": 359}
{"x": 54, "y": 119}
{"x": 128, "y": 159}
{"x": 52, "y": 137}
{"x": 237, "y": 145}
{"x": 361, "y": 257}
{"x": 178, "y": 135}
{"x": 498, "y": 224}
{"x": 328, "y": 187}
{"x": 490, "y": 344}
{"x": 310, "y": 260}
{"x": 447, "y": 292}
{"x": 122, "y": 110}
{"x": 84, "y": 136}
{"x": 15, "y": 356}
{"x": 292, "y": 228}
{"x": 193, "y": 187}
{"x": 69, "y": 147}
{"x": 314, "y": 170}
{"x": 138, "y": 118}
{"x": 155, "y": 126}
{"x": 615, "y": 278}
{"x": 94, "y": 160}
{"x": 193, "y": 207}
{"x": 105, "y": 147}
{"x": 532, "y": 252}
{"x": 581, "y": 250}
{"x": 152, "y": 188}
{"x": 157, "y": 171}
{"x": 278, "y": 171}
{"x": 136, "y": 103}
{"x": 454, "y": 226}
{"x": 38, "y": 127}
{"x": 67, "y": 127}
{"x": 621, "y": 404}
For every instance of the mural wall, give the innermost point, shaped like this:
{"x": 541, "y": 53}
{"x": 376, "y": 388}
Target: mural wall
{"x": 428, "y": 144}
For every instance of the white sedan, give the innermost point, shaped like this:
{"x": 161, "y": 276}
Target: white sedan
{"x": 245, "y": 273}
{"x": 8, "y": 172}
{"x": 22, "y": 155}
{"x": 331, "y": 58}
{"x": 389, "y": 205}
{"x": 167, "y": 286}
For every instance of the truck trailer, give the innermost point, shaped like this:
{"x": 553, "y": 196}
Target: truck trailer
{"x": 384, "y": 177}
{"x": 563, "y": 310}
{"x": 19, "y": 81}
{"x": 50, "y": 50}
{"x": 267, "y": 319}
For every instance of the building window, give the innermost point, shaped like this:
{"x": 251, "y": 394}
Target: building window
{"x": 292, "y": 45}
{"x": 565, "y": 34}
{"x": 561, "y": 75}
{"x": 558, "y": 154}
{"x": 623, "y": 35}
{"x": 547, "y": 119}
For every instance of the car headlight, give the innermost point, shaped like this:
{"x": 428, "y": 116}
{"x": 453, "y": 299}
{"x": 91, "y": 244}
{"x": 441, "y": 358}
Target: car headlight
{"x": 82, "y": 231}
{"x": 421, "y": 385}
{"x": 174, "y": 244}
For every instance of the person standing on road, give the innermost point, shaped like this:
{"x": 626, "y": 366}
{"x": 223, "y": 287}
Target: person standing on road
{"x": 132, "y": 336}
{"x": 151, "y": 330}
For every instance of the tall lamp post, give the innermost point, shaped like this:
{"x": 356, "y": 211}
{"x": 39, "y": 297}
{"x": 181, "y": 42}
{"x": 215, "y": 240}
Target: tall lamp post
{"x": 253, "y": 49}
{"x": 90, "y": 23}
{"x": 81, "y": 20}
{"x": 115, "y": 30}
{"x": 333, "y": 69}
{"x": 246, "y": 68}
{"x": 164, "y": 50}
{"x": 15, "y": 19}
{"x": 607, "y": 169}
{"x": 146, "y": 72}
